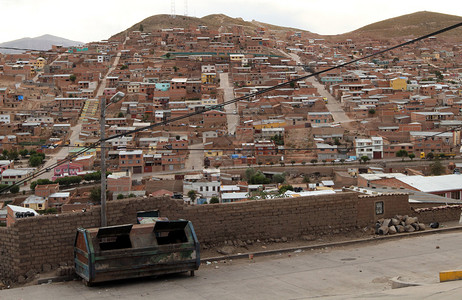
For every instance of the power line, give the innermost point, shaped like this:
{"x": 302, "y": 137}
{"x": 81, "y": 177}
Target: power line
{"x": 251, "y": 95}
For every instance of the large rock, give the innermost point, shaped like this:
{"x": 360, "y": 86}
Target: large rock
{"x": 409, "y": 228}
{"x": 394, "y": 221}
{"x": 392, "y": 229}
{"x": 421, "y": 226}
{"x": 400, "y": 228}
{"x": 226, "y": 250}
{"x": 383, "y": 230}
{"x": 386, "y": 222}
{"x": 410, "y": 220}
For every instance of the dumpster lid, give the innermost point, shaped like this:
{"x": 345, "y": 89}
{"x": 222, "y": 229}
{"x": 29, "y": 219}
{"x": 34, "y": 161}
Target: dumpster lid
{"x": 170, "y": 225}
{"x": 114, "y": 230}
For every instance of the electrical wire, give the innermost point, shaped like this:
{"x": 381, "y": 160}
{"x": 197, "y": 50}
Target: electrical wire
{"x": 218, "y": 106}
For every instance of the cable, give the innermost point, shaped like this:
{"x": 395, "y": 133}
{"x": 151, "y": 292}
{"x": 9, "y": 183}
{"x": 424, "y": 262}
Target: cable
{"x": 262, "y": 91}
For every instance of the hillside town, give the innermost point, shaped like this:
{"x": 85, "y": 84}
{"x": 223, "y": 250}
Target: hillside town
{"x": 313, "y": 136}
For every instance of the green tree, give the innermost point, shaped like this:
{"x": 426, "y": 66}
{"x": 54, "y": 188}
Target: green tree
{"x": 141, "y": 28}
{"x": 313, "y": 161}
{"x": 285, "y": 188}
{"x": 14, "y": 189}
{"x": 23, "y": 153}
{"x": 259, "y": 178}
{"x": 430, "y": 156}
{"x": 2, "y": 187}
{"x": 249, "y": 172}
{"x": 131, "y": 195}
{"x": 95, "y": 195}
{"x": 324, "y": 162}
{"x": 436, "y": 168}
{"x": 260, "y": 163}
{"x": 336, "y": 142}
{"x": 124, "y": 67}
{"x": 33, "y": 184}
{"x": 278, "y": 139}
{"x": 175, "y": 69}
{"x": 120, "y": 196}
{"x": 364, "y": 159}
{"x": 371, "y": 111}
{"x": 411, "y": 156}
{"x": 168, "y": 55}
{"x": 72, "y": 78}
{"x": 278, "y": 178}
{"x": 214, "y": 200}
{"x": 192, "y": 195}
{"x": 342, "y": 161}
{"x": 402, "y": 153}
{"x": 303, "y": 162}
{"x": 292, "y": 162}
{"x": 35, "y": 161}
{"x": 120, "y": 115}
{"x": 13, "y": 155}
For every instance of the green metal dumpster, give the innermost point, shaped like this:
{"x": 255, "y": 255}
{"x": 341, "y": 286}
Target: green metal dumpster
{"x": 129, "y": 251}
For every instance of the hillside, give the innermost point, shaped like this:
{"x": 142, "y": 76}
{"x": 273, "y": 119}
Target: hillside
{"x": 411, "y": 25}
{"x": 43, "y": 42}
{"x": 213, "y": 22}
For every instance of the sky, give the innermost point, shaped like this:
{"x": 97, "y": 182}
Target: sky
{"x": 94, "y": 20}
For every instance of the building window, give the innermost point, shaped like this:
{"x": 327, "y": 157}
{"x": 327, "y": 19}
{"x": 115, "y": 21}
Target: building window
{"x": 379, "y": 208}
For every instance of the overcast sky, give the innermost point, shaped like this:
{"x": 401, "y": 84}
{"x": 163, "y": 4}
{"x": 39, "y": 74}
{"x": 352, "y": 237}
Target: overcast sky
{"x": 93, "y": 20}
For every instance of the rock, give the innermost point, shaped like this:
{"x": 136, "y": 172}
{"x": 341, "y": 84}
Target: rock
{"x": 421, "y": 226}
{"x": 416, "y": 226}
{"x": 31, "y": 273}
{"x": 400, "y": 228}
{"x": 271, "y": 240}
{"x": 409, "y": 228}
{"x": 394, "y": 221}
{"x": 386, "y": 222}
{"x": 435, "y": 225}
{"x": 336, "y": 231}
{"x": 410, "y": 220}
{"x": 284, "y": 239}
{"x": 392, "y": 229}
{"x": 278, "y": 240}
{"x": 241, "y": 243}
{"x": 249, "y": 242}
{"x": 383, "y": 230}
{"x": 21, "y": 279}
{"x": 46, "y": 268}
{"x": 399, "y": 218}
{"x": 226, "y": 250}
{"x": 308, "y": 238}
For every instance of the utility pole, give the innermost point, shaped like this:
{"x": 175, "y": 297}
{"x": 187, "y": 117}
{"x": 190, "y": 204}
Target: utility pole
{"x": 114, "y": 99}
{"x": 103, "y": 161}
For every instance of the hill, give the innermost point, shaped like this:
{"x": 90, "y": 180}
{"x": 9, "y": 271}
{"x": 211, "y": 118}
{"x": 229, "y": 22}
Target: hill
{"x": 408, "y": 26}
{"x": 219, "y": 22}
{"x": 43, "y": 42}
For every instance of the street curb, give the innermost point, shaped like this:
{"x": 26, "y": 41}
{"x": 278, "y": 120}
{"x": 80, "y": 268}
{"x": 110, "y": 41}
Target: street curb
{"x": 333, "y": 245}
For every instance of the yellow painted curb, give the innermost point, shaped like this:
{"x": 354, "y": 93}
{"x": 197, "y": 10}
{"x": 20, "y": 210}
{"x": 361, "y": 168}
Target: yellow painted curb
{"x": 450, "y": 275}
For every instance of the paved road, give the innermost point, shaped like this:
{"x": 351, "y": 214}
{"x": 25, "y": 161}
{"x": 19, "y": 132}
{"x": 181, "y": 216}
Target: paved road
{"x": 195, "y": 160}
{"x": 230, "y": 109}
{"x": 358, "y": 272}
{"x": 334, "y": 107}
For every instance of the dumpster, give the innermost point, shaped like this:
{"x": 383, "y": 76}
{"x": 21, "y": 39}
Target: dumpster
{"x": 129, "y": 251}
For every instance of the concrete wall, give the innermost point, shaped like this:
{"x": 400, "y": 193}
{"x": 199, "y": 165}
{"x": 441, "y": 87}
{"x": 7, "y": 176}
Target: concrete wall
{"x": 40, "y": 243}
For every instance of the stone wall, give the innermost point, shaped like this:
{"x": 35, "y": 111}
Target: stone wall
{"x": 41, "y": 243}
{"x": 439, "y": 214}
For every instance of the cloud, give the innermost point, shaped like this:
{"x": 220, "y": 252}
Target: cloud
{"x": 91, "y": 20}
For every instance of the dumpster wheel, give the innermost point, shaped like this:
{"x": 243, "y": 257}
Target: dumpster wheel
{"x": 87, "y": 283}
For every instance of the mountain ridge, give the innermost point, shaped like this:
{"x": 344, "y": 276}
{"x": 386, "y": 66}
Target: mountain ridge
{"x": 409, "y": 25}
{"x": 43, "y": 42}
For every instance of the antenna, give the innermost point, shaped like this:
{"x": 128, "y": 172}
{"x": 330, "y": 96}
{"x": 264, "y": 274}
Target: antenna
{"x": 172, "y": 7}
{"x": 185, "y": 8}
